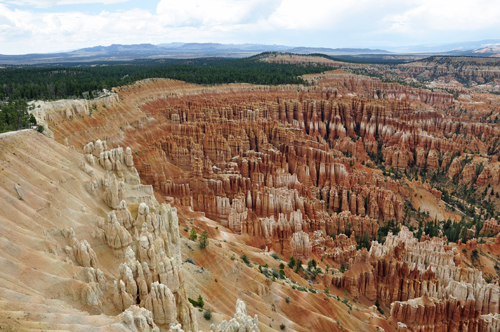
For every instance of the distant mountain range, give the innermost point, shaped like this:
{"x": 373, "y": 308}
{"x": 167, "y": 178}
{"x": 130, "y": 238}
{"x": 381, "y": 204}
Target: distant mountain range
{"x": 214, "y": 47}
{"x": 461, "y": 47}
{"x": 118, "y": 52}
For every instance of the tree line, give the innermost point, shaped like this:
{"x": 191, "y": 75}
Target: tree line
{"x": 80, "y": 80}
{"x": 14, "y": 116}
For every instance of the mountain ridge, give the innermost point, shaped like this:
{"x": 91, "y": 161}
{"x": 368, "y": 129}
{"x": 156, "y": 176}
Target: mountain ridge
{"x": 122, "y": 52}
{"x": 127, "y": 52}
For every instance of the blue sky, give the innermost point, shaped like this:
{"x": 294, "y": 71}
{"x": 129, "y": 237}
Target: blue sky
{"x": 39, "y": 26}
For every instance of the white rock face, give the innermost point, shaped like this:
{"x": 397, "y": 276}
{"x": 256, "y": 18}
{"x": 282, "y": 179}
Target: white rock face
{"x": 161, "y": 302}
{"x": 241, "y": 322}
{"x": 129, "y": 158}
{"x": 124, "y": 216}
{"x": 84, "y": 254}
{"x": 139, "y": 320}
{"x": 151, "y": 254}
{"x": 43, "y": 110}
{"x": 301, "y": 245}
{"x": 53, "y": 244}
{"x": 91, "y": 296}
{"x": 117, "y": 236}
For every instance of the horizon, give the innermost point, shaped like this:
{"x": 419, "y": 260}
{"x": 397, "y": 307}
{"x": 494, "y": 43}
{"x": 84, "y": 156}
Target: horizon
{"x": 51, "y": 26}
{"x": 396, "y": 50}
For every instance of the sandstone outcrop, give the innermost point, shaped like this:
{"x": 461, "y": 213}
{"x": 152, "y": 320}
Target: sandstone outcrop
{"x": 454, "y": 169}
{"x": 427, "y": 314}
{"x": 161, "y": 302}
{"x": 471, "y": 244}
{"x": 423, "y": 284}
{"x": 403, "y": 269}
{"x": 301, "y": 247}
{"x": 341, "y": 250}
{"x": 484, "y": 177}
{"x": 92, "y": 297}
{"x": 490, "y": 226}
{"x": 468, "y": 174}
{"x": 117, "y": 236}
{"x": 151, "y": 276}
{"x": 139, "y": 319}
{"x": 240, "y": 322}
{"x": 123, "y": 216}
{"x": 84, "y": 254}
{"x": 470, "y": 68}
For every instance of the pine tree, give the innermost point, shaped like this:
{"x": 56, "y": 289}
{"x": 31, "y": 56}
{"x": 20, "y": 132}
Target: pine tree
{"x": 366, "y": 240}
{"x": 193, "y": 236}
{"x": 204, "y": 240}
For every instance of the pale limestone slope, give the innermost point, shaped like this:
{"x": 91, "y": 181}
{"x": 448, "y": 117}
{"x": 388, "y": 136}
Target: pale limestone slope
{"x": 40, "y": 284}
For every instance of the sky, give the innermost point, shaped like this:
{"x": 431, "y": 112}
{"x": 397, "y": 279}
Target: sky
{"x": 43, "y": 26}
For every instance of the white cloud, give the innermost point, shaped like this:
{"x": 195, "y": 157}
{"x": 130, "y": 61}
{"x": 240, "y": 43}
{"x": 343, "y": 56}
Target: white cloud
{"x": 50, "y": 3}
{"x": 213, "y": 13}
{"x": 446, "y": 15}
{"x": 313, "y": 14}
{"x": 323, "y": 23}
{"x": 45, "y": 32}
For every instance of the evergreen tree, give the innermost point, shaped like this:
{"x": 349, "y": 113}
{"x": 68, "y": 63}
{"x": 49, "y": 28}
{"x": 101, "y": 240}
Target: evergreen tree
{"x": 204, "y": 240}
{"x": 366, "y": 240}
{"x": 14, "y": 116}
{"x": 193, "y": 236}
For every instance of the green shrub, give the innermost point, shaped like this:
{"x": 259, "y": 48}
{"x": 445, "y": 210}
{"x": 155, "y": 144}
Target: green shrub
{"x": 287, "y": 299}
{"x": 40, "y": 129}
{"x": 245, "y": 259}
{"x": 200, "y": 303}
{"x": 207, "y": 314}
{"x": 311, "y": 264}
{"x": 302, "y": 289}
